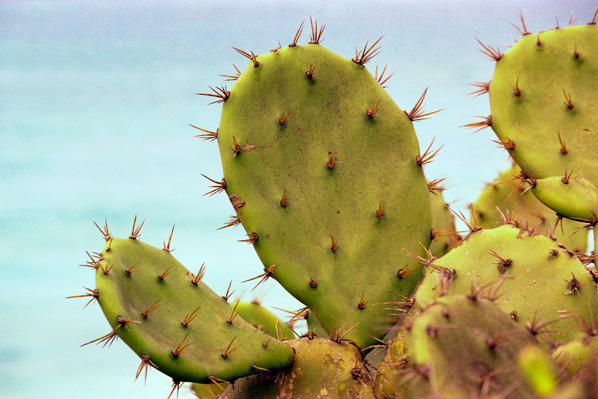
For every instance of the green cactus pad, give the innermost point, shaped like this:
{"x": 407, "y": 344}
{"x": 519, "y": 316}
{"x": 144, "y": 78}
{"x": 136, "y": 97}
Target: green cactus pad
{"x": 510, "y": 196}
{"x": 322, "y": 370}
{"x": 577, "y": 198}
{"x": 540, "y": 280}
{"x": 262, "y": 319}
{"x": 575, "y": 354}
{"x": 543, "y": 98}
{"x": 174, "y": 322}
{"x": 468, "y": 346}
{"x": 323, "y": 175}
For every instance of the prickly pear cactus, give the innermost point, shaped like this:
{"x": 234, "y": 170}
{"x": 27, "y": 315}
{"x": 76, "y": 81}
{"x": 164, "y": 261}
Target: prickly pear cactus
{"x": 262, "y": 319}
{"x": 510, "y": 195}
{"x": 323, "y": 369}
{"x": 174, "y": 322}
{"x": 467, "y": 347}
{"x": 543, "y": 97}
{"x": 541, "y": 282}
{"x": 324, "y": 172}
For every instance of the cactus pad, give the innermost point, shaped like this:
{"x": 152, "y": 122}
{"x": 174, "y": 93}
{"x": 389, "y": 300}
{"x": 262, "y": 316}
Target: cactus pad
{"x": 174, "y": 322}
{"x": 322, "y": 169}
{"x": 541, "y": 281}
{"x": 543, "y": 98}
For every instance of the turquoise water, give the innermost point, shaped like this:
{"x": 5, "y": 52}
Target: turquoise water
{"x": 95, "y": 102}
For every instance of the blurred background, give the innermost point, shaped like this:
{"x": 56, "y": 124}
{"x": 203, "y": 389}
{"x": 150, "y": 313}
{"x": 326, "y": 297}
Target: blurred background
{"x": 95, "y": 102}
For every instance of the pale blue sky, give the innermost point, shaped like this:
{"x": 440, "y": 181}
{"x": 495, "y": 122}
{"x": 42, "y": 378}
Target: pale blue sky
{"x": 95, "y": 102}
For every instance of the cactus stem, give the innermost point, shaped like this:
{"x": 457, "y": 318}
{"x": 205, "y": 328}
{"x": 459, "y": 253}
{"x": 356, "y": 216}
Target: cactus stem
{"x": 200, "y": 275}
{"x": 283, "y": 117}
{"x": 252, "y": 238}
{"x": 523, "y": 30}
{"x": 268, "y": 272}
{"x": 297, "y": 35}
{"x": 106, "y": 270}
{"x": 176, "y": 352}
{"x": 146, "y": 362}
{"x": 568, "y": 101}
{"x": 316, "y": 34}
{"x": 218, "y": 186}
{"x": 221, "y": 93}
{"x": 483, "y": 88}
{"x": 283, "y": 200}
{"x": 145, "y": 314}
{"x": 233, "y": 221}
{"x": 428, "y": 155}
{"x": 228, "y": 350}
{"x": 93, "y": 294}
{"x": 136, "y": 231}
{"x": 207, "y": 135}
{"x": 107, "y": 339}
{"x": 190, "y": 317}
{"x": 167, "y": 246}
{"x": 417, "y": 113}
{"x": 228, "y": 292}
{"x": 381, "y": 78}
{"x": 132, "y": 268}
{"x": 104, "y": 230}
{"x": 164, "y": 274}
{"x": 364, "y": 56}
{"x": 493, "y": 53}
{"x": 250, "y": 56}
{"x": 231, "y": 78}
{"x": 310, "y": 72}
{"x": 373, "y": 112}
{"x": 380, "y": 211}
{"x": 233, "y": 314}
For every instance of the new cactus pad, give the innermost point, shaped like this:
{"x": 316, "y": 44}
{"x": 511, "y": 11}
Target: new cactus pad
{"x": 543, "y": 98}
{"x": 324, "y": 172}
{"x": 174, "y": 322}
{"x": 443, "y": 233}
{"x": 541, "y": 281}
